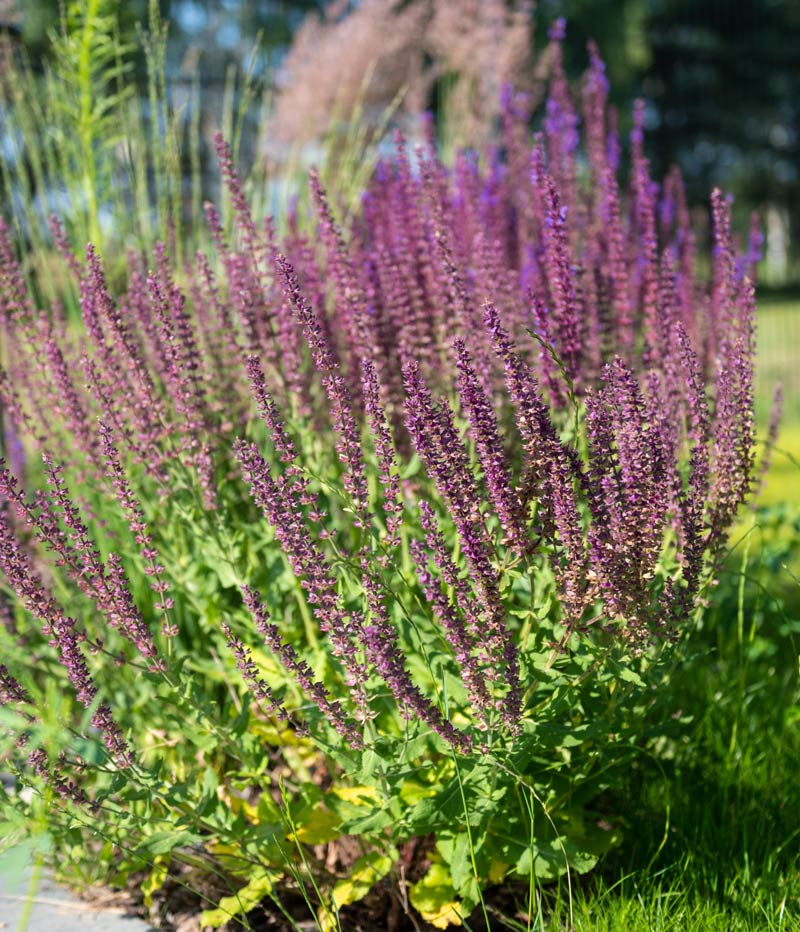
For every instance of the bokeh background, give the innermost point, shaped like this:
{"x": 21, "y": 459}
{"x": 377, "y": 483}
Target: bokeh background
{"x": 721, "y": 79}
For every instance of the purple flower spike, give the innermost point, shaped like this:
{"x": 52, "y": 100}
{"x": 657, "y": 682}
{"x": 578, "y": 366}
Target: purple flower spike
{"x": 348, "y": 444}
{"x": 10, "y": 689}
{"x": 34, "y": 596}
{"x": 486, "y": 434}
{"x": 300, "y": 670}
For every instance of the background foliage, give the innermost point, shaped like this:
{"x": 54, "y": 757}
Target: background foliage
{"x": 719, "y": 77}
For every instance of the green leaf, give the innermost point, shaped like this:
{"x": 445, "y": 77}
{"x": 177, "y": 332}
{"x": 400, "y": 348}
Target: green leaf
{"x": 165, "y": 842}
{"x": 460, "y": 860}
{"x": 411, "y": 468}
{"x": 210, "y": 782}
{"x": 361, "y": 809}
{"x": 368, "y": 823}
{"x": 629, "y": 675}
{"x": 471, "y": 799}
{"x": 548, "y": 860}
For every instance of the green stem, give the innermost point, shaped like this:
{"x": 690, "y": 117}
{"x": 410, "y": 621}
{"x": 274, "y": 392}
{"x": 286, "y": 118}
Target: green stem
{"x": 86, "y": 119}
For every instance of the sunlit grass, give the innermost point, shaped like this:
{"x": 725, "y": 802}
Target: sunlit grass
{"x": 778, "y": 337}
{"x": 720, "y": 801}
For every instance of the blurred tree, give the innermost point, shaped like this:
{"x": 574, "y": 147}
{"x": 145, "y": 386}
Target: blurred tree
{"x": 224, "y": 30}
{"x": 724, "y": 80}
{"x": 619, "y": 27}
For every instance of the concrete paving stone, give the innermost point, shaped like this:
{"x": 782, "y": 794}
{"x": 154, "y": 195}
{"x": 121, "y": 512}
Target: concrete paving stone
{"x": 58, "y": 910}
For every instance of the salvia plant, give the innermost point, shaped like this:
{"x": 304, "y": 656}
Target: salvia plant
{"x": 341, "y": 568}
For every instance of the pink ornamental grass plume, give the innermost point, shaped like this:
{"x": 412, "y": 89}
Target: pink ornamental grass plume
{"x": 400, "y": 51}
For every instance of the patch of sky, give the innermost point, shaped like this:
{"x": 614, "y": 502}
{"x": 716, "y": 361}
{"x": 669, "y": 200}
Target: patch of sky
{"x": 191, "y": 16}
{"x": 228, "y": 35}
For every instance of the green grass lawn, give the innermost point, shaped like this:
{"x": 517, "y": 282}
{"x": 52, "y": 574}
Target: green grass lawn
{"x": 782, "y": 482}
{"x": 778, "y": 362}
{"x": 778, "y": 340}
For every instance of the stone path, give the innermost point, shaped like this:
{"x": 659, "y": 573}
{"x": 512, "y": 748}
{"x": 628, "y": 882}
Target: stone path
{"x": 57, "y": 910}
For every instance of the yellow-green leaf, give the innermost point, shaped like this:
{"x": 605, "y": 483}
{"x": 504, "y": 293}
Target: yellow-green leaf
{"x": 326, "y": 919}
{"x": 365, "y": 873}
{"x": 246, "y": 899}
{"x": 155, "y": 879}
{"x": 435, "y": 899}
{"x": 231, "y": 858}
{"x": 320, "y": 827}
{"x": 357, "y": 795}
{"x": 412, "y": 791}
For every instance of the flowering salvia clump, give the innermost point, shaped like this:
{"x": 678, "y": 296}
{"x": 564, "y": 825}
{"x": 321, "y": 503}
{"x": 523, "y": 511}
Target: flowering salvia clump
{"x": 381, "y": 483}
